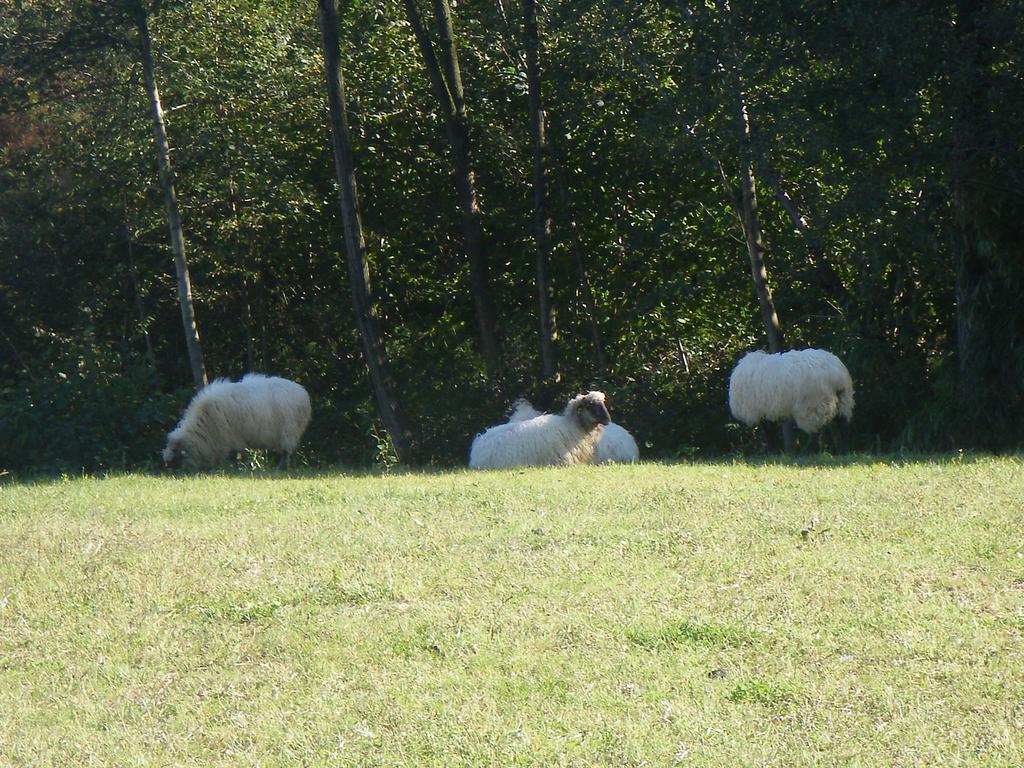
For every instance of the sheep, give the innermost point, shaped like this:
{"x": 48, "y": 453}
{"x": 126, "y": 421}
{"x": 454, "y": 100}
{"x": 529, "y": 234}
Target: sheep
{"x": 614, "y": 445}
{"x": 809, "y": 386}
{"x": 544, "y": 440}
{"x": 224, "y": 417}
{"x": 522, "y": 410}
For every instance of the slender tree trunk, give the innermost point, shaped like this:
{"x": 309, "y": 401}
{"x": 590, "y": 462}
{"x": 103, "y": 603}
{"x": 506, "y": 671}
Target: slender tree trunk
{"x": 749, "y": 217}
{"x": 250, "y": 348}
{"x": 163, "y": 156}
{"x": 754, "y": 238}
{"x": 133, "y": 273}
{"x": 985, "y": 175}
{"x": 755, "y": 250}
{"x": 585, "y": 291}
{"x": 355, "y": 249}
{"x": 446, "y": 80}
{"x": 971, "y": 333}
{"x": 241, "y": 247}
{"x": 823, "y": 274}
{"x": 261, "y": 313}
{"x": 541, "y": 207}
{"x": 465, "y": 183}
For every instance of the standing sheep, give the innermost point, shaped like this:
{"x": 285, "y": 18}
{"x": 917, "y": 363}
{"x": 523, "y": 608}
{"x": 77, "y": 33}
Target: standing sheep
{"x": 224, "y": 417}
{"x": 544, "y": 440}
{"x": 614, "y": 445}
{"x": 809, "y": 386}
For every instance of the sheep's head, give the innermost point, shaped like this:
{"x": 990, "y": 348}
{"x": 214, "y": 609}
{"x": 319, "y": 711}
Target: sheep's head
{"x": 176, "y": 453}
{"x": 588, "y": 410}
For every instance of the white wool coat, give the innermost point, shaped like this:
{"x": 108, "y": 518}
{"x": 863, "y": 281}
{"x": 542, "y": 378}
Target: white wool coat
{"x": 543, "y": 440}
{"x": 614, "y": 445}
{"x": 259, "y": 411}
{"x": 809, "y": 386}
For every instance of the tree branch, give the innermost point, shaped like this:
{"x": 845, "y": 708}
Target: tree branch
{"x": 441, "y": 88}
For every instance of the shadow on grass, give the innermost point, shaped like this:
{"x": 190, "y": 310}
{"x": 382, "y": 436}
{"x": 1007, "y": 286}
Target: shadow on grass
{"x": 827, "y": 460}
{"x": 240, "y": 472}
{"x": 42, "y": 478}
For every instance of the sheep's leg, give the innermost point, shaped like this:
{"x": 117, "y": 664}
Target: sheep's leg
{"x": 788, "y": 443}
{"x": 844, "y": 435}
{"x": 771, "y": 436}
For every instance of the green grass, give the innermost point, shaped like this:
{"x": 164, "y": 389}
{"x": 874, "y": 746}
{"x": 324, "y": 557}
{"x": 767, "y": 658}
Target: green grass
{"x": 656, "y": 615}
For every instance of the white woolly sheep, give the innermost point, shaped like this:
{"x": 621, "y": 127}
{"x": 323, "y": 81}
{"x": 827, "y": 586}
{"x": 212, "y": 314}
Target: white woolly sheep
{"x": 544, "y": 440}
{"x": 614, "y": 445}
{"x": 809, "y": 386}
{"x": 259, "y": 411}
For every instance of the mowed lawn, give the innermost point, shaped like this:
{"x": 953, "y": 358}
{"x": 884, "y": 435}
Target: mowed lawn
{"x": 654, "y": 615}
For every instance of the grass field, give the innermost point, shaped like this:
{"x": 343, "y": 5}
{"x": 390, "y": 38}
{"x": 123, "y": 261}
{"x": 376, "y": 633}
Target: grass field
{"x": 655, "y": 615}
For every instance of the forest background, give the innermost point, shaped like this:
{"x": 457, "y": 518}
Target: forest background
{"x": 630, "y": 166}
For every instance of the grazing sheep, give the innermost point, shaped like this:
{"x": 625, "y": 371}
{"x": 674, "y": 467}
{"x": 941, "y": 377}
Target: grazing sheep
{"x": 544, "y": 440}
{"x": 810, "y": 386}
{"x": 614, "y": 445}
{"x": 224, "y": 417}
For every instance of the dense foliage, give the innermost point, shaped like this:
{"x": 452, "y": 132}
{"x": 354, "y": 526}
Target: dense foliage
{"x": 892, "y": 127}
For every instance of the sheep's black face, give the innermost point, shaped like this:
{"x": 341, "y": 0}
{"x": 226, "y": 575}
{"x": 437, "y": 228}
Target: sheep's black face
{"x": 592, "y": 412}
{"x": 174, "y": 455}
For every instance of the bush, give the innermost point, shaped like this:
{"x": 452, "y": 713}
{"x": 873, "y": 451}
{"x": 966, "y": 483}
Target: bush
{"x": 84, "y": 406}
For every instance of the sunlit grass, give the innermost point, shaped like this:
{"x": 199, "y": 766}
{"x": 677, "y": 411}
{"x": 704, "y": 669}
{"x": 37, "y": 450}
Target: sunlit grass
{"x": 649, "y": 615}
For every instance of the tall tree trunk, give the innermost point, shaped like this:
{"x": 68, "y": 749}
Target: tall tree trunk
{"x": 447, "y": 85}
{"x": 163, "y": 157}
{"x": 752, "y": 232}
{"x": 755, "y": 249}
{"x": 133, "y": 273}
{"x": 355, "y": 249}
{"x": 989, "y": 279}
{"x": 242, "y": 247}
{"x": 250, "y": 348}
{"x": 586, "y": 293}
{"x": 541, "y": 207}
{"x": 822, "y": 273}
{"x": 749, "y": 217}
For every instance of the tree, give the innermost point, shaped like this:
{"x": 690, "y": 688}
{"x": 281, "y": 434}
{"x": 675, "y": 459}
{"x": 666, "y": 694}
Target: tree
{"x": 71, "y": 39}
{"x": 986, "y": 176}
{"x": 885, "y": 131}
{"x": 752, "y": 233}
{"x": 749, "y": 217}
{"x": 821, "y": 272}
{"x": 586, "y": 292}
{"x": 448, "y": 90}
{"x": 355, "y": 249}
{"x": 163, "y": 156}
{"x": 541, "y": 206}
